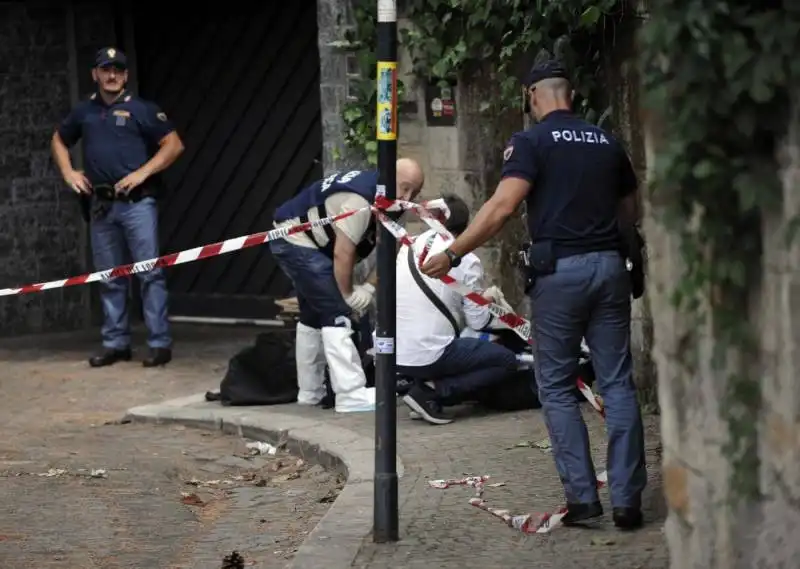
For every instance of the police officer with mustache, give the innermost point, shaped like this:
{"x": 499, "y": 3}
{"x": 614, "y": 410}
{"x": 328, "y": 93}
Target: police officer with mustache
{"x": 580, "y": 189}
{"x": 127, "y": 141}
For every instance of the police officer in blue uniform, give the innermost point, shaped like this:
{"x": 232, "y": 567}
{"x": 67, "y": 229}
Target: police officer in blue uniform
{"x": 320, "y": 264}
{"x": 579, "y": 186}
{"x": 126, "y": 142}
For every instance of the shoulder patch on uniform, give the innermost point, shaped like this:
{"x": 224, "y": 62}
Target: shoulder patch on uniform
{"x": 162, "y": 117}
{"x": 508, "y": 152}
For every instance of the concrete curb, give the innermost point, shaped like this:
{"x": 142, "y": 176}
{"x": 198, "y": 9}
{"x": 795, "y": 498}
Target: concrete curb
{"x": 337, "y": 538}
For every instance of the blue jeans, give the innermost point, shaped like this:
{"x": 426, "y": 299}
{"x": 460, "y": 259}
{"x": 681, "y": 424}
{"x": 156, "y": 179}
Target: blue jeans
{"x": 589, "y": 295}
{"x": 130, "y": 228}
{"x": 466, "y": 365}
{"x": 311, "y": 272}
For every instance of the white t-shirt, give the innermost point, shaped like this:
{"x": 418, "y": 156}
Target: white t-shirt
{"x": 354, "y": 226}
{"x": 423, "y": 332}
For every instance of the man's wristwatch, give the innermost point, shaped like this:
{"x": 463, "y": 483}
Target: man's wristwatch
{"x": 455, "y": 260}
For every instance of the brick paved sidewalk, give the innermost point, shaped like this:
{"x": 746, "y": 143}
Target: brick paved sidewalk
{"x": 54, "y": 412}
{"x": 439, "y": 529}
{"x": 48, "y": 393}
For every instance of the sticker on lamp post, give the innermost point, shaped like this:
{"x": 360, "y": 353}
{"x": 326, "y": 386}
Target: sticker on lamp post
{"x": 387, "y": 103}
{"x": 384, "y": 345}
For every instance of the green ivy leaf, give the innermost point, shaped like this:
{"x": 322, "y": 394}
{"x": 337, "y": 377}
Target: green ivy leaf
{"x": 703, "y": 169}
{"x": 352, "y": 113}
{"x": 590, "y": 16}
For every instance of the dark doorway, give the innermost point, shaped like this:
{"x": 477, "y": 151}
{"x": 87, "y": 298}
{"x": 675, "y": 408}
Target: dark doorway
{"x": 242, "y": 85}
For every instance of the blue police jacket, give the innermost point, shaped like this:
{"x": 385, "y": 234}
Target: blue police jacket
{"x": 361, "y": 182}
{"x": 117, "y": 139}
{"x": 578, "y": 175}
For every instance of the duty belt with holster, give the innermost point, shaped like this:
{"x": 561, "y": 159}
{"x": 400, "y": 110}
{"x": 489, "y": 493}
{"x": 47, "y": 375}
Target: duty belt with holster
{"x": 98, "y": 204}
{"x": 538, "y": 259}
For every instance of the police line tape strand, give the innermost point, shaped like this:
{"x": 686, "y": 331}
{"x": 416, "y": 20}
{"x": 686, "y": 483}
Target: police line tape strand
{"x": 182, "y": 257}
{"x": 519, "y": 325}
{"x": 525, "y": 523}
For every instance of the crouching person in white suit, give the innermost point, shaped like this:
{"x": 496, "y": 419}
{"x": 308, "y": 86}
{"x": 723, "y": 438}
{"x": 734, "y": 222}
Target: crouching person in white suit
{"x": 320, "y": 263}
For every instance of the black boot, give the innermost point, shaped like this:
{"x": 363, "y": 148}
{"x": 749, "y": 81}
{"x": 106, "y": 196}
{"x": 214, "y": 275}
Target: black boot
{"x": 157, "y": 357}
{"x": 627, "y": 518}
{"x": 109, "y": 357}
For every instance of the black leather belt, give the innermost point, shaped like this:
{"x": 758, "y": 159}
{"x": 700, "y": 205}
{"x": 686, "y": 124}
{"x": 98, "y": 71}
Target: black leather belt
{"x": 104, "y": 196}
{"x": 106, "y": 192}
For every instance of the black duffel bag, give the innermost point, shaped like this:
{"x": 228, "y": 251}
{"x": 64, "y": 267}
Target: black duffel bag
{"x": 262, "y": 374}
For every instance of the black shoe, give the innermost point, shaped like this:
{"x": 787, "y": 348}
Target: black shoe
{"x": 157, "y": 357}
{"x": 327, "y": 402}
{"x": 577, "y": 514}
{"x": 627, "y": 518}
{"x": 422, "y": 400}
{"x": 110, "y": 357}
{"x": 404, "y": 384}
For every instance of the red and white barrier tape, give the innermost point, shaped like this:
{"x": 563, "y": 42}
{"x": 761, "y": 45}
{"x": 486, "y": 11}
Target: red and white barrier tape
{"x": 188, "y": 256}
{"x": 519, "y": 325}
{"x": 210, "y": 250}
{"x": 526, "y": 523}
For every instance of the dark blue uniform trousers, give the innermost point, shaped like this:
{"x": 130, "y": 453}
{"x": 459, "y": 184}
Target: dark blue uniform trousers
{"x": 589, "y": 295}
{"x": 130, "y": 231}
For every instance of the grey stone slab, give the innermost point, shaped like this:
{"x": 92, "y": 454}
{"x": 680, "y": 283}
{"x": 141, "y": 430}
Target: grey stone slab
{"x": 235, "y": 462}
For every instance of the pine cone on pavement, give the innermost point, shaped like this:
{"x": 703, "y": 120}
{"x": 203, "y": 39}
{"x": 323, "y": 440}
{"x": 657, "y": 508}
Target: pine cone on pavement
{"x": 233, "y": 561}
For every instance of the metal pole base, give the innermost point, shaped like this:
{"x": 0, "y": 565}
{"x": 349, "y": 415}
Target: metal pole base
{"x": 386, "y": 520}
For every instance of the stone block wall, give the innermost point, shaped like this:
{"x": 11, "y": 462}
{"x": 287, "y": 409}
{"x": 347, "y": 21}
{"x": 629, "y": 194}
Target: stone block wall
{"x": 45, "y": 60}
{"x": 40, "y": 225}
{"x": 465, "y": 160}
{"x": 334, "y": 19}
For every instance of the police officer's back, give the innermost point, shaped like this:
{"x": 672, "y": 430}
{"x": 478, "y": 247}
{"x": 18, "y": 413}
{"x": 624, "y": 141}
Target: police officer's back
{"x": 580, "y": 175}
{"x": 575, "y": 179}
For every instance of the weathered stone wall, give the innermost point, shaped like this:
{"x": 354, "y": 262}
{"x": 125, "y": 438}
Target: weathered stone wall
{"x": 334, "y": 19}
{"x": 464, "y": 160}
{"x": 624, "y": 87}
{"x": 42, "y": 236}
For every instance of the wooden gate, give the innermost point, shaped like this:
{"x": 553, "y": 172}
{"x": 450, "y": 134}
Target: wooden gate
{"x": 241, "y": 84}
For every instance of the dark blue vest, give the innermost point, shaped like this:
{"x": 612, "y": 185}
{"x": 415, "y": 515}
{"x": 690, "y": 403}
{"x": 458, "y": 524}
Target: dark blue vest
{"x": 364, "y": 183}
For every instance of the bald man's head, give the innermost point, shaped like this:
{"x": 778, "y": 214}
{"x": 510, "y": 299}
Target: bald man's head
{"x": 410, "y": 179}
